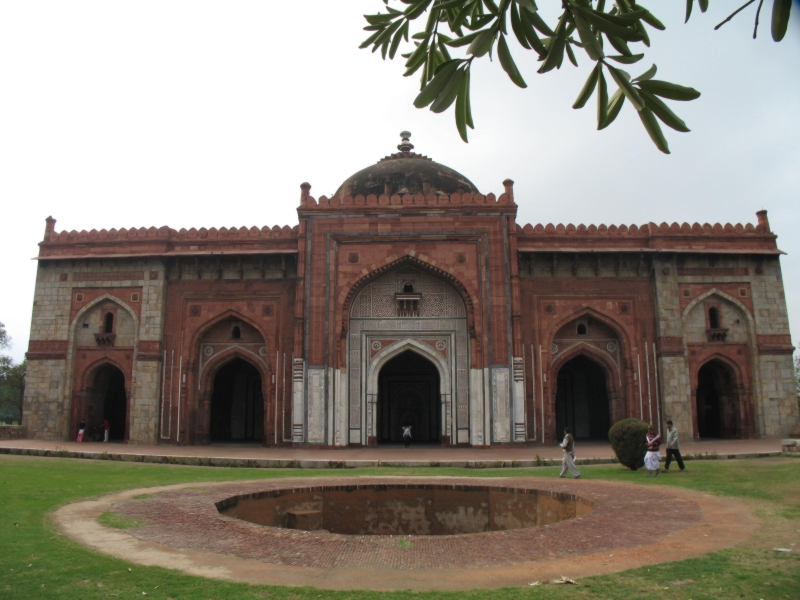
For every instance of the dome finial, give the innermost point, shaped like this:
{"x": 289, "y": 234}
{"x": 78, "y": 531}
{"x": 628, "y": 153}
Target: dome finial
{"x": 405, "y": 145}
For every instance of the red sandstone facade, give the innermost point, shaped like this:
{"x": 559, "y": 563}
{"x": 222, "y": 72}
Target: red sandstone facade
{"x": 409, "y": 298}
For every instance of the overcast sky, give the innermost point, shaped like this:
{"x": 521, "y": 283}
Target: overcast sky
{"x": 196, "y": 113}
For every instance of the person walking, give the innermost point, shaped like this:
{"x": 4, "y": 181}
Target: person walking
{"x": 106, "y": 428}
{"x": 673, "y": 447}
{"x": 652, "y": 456}
{"x": 568, "y": 460}
{"x": 407, "y": 435}
{"x": 81, "y": 430}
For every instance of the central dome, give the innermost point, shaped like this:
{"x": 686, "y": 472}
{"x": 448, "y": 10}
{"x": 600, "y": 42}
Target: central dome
{"x": 406, "y": 172}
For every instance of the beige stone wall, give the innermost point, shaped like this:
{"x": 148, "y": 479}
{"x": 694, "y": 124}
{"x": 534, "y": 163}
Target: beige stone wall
{"x": 48, "y": 401}
{"x": 773, "y": 386}
{"x": 45, "y": 413}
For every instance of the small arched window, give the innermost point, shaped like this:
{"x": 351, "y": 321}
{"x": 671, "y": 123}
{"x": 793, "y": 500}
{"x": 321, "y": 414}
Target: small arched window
{"x": 582, "y": 329}
{"x": 408, "y": 288}
{"x": 108, "y": 323}
{"x": 236, "y": 333}
{"x": 713, "y": 318}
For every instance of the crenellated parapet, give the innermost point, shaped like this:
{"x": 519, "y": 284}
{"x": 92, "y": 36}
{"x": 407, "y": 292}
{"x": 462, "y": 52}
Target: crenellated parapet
{"x": 411, "y": 201}
{"x": 728, "y": 238}
{"x": 165, "y": 241}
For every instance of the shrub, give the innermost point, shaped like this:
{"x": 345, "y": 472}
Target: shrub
{"x": 627, "y": 438}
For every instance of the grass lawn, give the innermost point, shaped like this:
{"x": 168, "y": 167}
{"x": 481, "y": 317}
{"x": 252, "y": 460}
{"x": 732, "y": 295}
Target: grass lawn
{"x": 37, "y": 562}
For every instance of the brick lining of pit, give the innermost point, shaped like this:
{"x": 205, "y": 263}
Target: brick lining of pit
{"x": 188, "y": 519}
{"x": 403, "y": 509}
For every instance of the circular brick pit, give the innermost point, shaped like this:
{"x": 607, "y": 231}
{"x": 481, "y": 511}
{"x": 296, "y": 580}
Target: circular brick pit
{"x": 420, "y": 510}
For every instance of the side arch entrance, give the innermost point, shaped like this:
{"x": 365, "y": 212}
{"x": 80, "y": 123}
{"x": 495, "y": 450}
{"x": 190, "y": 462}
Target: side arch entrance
{"x": 237, "y": 403}
{"x": 582, "y": 399}
{"x": 719, "y": 413}
{"x": 107, "y": 399}
{"x": 408, "y": 394}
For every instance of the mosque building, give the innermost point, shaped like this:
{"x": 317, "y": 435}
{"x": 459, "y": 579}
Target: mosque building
{"x": 409, "y": 298}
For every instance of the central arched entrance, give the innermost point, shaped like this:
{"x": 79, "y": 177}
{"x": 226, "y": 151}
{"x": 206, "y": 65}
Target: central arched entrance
{"x": 408, "y": 394}
{"x": 717, "y": 402}
{"x": 237, "y": 403}
{"x": 582, "y": 402}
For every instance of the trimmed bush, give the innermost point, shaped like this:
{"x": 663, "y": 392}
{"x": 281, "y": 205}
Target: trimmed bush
{"x": 627, "y": 438}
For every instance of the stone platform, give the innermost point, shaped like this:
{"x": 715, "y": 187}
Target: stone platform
{"x": 390, "y": 455}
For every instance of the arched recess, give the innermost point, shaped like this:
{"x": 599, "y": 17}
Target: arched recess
{"x": 205, "y": 388}
{"x": 228, "y": 314}
{"x": 467, "y": 295}
{"x": 209, "y": 376}
{"x": 94, "y": 394}
{"x": 724, "y": 296}
{"x": 613, "y": 383}
{"x": 445, "y": 383}
{"x": 610, "y": 322}
{"x": 735, "y": 413}
{"x": 614, "y": 364}
{"x": 77, "y": 370}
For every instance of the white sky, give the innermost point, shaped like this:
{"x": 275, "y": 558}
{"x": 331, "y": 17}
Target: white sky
{"x": 198, "y": 113}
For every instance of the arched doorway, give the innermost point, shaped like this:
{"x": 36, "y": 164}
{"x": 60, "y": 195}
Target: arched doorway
{"x": 111, "y": 398}
{"x": 237, "y": 403}
{"x": 717, "y": 401}
{"x": 408, "y": 394}
{"x": 582, "y": 402}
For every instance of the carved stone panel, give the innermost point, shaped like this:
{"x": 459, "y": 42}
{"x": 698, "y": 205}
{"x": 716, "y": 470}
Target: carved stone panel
{"x": 501, "y": 409}
{"x": 316, "y": 406}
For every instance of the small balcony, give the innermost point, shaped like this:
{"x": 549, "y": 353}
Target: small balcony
{"x": 716, "y": 335}
{"x": 407, "y": 304}
{"x": 105, "y": 340}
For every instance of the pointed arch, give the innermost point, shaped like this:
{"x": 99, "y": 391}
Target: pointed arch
{"x": 98, "y": 300}
{"x": 90, "y": 372}
{"x": 613, "y": 375}
{"x": 724, "y": 296}
{"x": 617, "y": 327}
{"x": 210, "y": 370}
{"x": 393, "y": 350}
{"x": 736, "y": 369}
{"x": 467, "y": 295}
{"x": 230, "y": 313}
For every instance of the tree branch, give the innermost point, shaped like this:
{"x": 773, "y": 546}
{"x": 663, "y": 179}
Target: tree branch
{"x": 736, "y": 12}
{"x": 758, "y": 12}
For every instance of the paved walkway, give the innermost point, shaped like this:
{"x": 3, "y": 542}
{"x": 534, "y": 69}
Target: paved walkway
{"x": 383, "y": 455}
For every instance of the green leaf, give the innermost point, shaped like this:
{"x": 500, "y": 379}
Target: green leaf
{"x": 589, "y": 40}
{"x": 369, "y": 40}
{"x": 651, "y": 20}
{"x": 654, "y": 129}
{"x": 627, "y": 60}
{"x": 619, "y": 45}
{"x": 492, "y": 7}
{"x": 483, "y": 43}
{"x": 464, "y": 40}
{"x": 571, "y": 54}
{"x": 470, "y": 124}
{"x": 397, "y": 39}
{"x": 649, "y": 74}
{"x": 435, "y": 86}
{"x": 703, "y": 4}
{"x": 780, "y": 18}
{"x": 555, "y": 51}
{"x": 688, "y": 10}
{"x": 602, "y": 99}
{"x": 412, "y": 12}
{"x": 516, "y": 27}
{"x": 539, "y": 23}
{"x": 663, "y": 112}
{"x": 530, "y": 33}
{"x": 614, "y": 106}
{"x": 418, "y": 55}
{"x": 380, "y": 18}
{"x": 588, "y": 88}
{"x": 608, "y": 27}
{"x": 449, "y": 93}
{"x": 462, "y": 103}
{"x": 624, "y": 83}
{"x": 673, "y": 91}
{"x": 507, "y": 62}
{"x": 531, "y": 6}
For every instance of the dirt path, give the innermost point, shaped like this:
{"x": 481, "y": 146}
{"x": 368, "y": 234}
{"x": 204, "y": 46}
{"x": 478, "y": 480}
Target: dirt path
{"x": 725, "y": 522}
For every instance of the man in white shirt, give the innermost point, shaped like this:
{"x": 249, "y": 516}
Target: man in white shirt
{"x": 568, "y": 461}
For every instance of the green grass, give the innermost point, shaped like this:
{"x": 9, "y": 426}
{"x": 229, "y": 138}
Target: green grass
{"x": 116, "y": 520}
{"x": 38, "y": 562}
